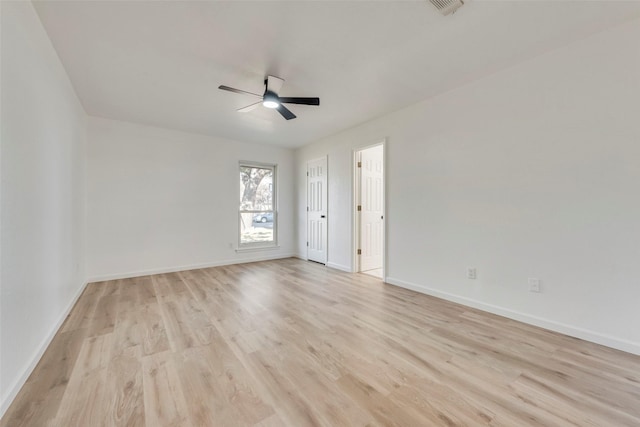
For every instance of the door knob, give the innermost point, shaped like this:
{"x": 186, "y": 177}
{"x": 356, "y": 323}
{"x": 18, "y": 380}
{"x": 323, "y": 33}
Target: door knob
{"x": 323, "y": 216}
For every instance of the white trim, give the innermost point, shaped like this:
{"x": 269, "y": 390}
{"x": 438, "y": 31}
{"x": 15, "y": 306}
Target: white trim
{"x": 252, "y": 164}
{"x": 274, "y": 207}
{"x": 355, "y": 196}
{"x": 33, "y": 362}
{"x": 573, "y": 331}
{"x": 355, "y": 218}
{"x": 161, "y": 270}
{"x": 256, "y": 248}
{"x": 339, "y": 267}
{"x": 301, "y": 256}
{"x": 306, "y": 193}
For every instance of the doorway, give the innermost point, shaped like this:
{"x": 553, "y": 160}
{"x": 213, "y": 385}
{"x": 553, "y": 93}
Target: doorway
{"x": 370, "y": 210}
{"x": 317, "y": 210}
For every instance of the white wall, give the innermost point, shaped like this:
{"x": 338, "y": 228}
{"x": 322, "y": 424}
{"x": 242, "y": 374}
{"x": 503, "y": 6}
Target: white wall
{"x": 161, "y": 200}
{"x": 42, "y": 216}
{"x": 531, "y": 172}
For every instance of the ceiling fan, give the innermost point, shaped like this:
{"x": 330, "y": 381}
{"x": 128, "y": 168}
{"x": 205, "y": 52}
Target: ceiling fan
{"x": 271, "y": 99}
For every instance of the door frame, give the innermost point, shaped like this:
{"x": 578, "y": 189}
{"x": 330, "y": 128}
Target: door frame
{"x": 306, "y": 202}
{"x": 355, "y": 199}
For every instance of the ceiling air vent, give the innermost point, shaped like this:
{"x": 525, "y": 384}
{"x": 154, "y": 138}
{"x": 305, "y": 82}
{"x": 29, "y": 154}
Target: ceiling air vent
{"x": 447, "y": 7}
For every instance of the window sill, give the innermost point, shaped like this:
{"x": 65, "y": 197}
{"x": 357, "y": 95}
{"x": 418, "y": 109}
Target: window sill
{"x": 257, "y": 248}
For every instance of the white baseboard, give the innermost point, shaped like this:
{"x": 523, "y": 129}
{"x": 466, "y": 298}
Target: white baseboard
{"x": 339, "y": 267}
{"x": 573, "y": 331}
{"x": 138, "y": 273}
{"x": 30, "y": 366}
{"x": 329, "y": 264}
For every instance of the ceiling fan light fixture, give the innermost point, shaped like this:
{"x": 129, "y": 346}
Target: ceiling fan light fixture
{"x": 270, "y": 100}
{"x": 270, "y": 104}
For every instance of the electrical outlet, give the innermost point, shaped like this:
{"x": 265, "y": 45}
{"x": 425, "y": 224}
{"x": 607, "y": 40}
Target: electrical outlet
{"x": 471, "y": 273}
{"x": 534, "y": 284}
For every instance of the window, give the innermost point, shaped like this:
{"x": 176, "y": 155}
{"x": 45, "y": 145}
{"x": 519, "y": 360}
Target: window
{"x": 257, "y": 216}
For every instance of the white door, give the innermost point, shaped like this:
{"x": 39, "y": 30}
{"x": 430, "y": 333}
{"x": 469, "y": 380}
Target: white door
{"x": 317, "y": 210}
{"x": 372, "y": 205}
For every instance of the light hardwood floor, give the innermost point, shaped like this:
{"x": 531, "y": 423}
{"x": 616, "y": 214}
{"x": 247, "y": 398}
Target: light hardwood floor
{"x": 291, "y": 343}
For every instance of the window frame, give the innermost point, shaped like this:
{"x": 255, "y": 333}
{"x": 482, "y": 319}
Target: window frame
{"x": 274, "y": 207}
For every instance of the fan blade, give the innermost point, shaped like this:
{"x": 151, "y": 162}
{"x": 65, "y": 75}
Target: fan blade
{"x": 274, "y": 84}
{"x": 304, "y": 101}
{"x": 231, "y": 89}
{"x": 249, "y": 107}
{"x": 285, "y": 112}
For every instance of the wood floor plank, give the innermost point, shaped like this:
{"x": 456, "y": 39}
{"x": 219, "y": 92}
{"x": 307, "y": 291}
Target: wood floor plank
{"x": 164, "y": 401}
{"x": 207, "y": 401}
{"x": 186, "y": 323}
{"x": 103, "y": 319}
{"x": 83, "y": 400}
{"x": 124, "y": 389}
{"x": 293, "y": 343}
{"x": 167, "y": 286}
{"x": 293, "y": 408}
{"x": 37, "y": 411}
{"x": 215, "y": 381}
{"x": 385, "y": 411}
{"x": 141, "y": 325}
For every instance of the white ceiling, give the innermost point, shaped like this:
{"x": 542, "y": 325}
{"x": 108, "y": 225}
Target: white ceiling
{"x": 160, "y": 63}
